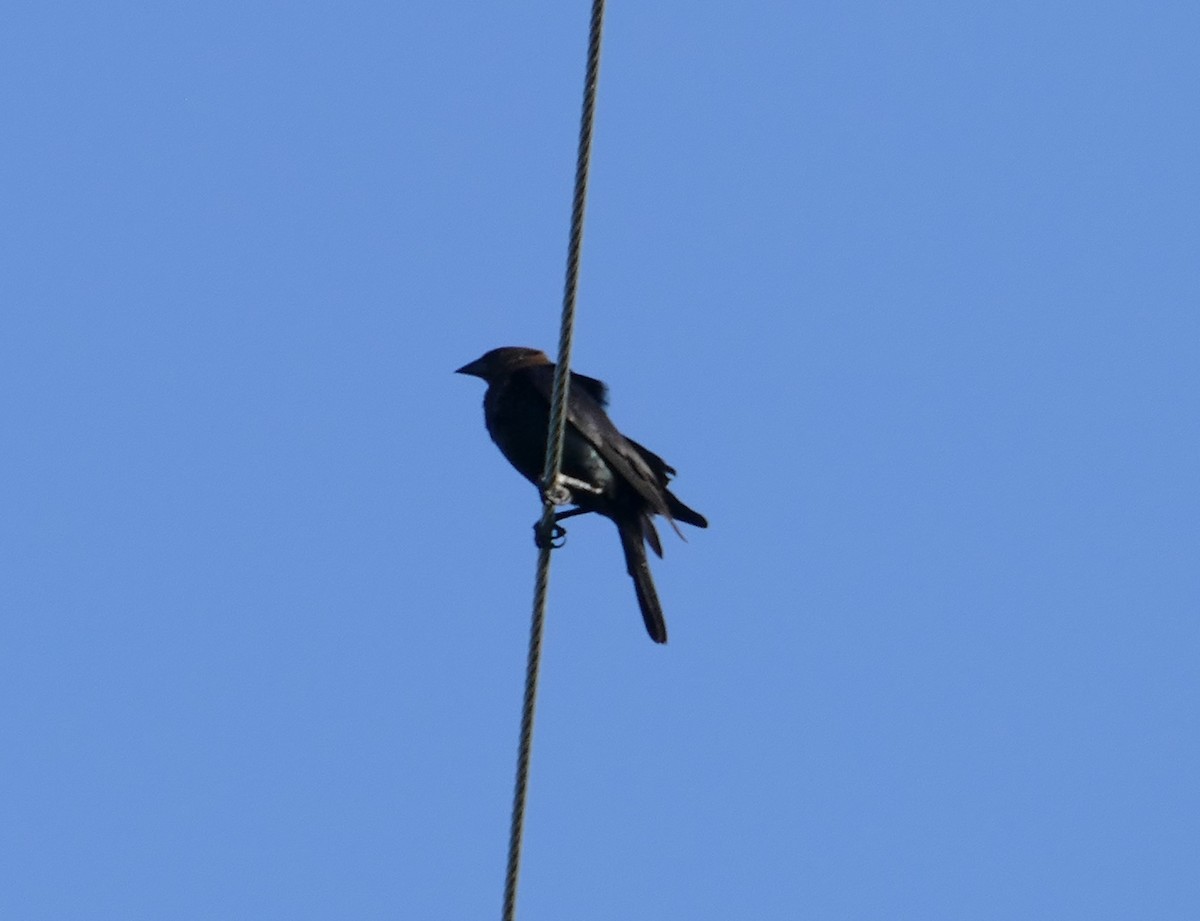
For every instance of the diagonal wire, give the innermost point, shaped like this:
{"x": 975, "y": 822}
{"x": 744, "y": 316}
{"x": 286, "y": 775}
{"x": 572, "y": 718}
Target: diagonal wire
{"x": 552, "y": 491}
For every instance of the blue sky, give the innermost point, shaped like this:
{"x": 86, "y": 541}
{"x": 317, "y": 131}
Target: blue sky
{"x": 908, "y": 294}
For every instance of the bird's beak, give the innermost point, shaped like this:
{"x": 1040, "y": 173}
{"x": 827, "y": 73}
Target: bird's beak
{"x": 475, "y": 368}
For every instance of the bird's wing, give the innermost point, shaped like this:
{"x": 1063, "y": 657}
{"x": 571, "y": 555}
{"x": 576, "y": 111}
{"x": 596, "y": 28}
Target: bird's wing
{"x": 597, "y": 390}
{"x": 587, "y": 415}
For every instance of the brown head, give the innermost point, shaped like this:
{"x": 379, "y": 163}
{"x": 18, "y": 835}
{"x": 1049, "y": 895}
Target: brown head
{"x": 499, "y": 362}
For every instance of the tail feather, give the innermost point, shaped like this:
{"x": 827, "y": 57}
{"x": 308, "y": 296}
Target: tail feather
{"x": 650, "y": 533}
{"x": 638, "y": 567}
{"x": 681, "y": 512}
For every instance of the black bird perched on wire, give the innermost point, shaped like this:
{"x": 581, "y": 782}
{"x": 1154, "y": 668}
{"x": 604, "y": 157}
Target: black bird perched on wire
{"x": 604, "y": 471}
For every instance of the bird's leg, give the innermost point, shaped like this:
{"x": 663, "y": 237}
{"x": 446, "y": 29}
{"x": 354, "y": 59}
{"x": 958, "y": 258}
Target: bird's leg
{"x": 570, "y": 513}
{"x": 557, "y": 533}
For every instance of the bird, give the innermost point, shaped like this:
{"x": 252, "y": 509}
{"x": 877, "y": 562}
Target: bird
{"x": 606, "y": 472}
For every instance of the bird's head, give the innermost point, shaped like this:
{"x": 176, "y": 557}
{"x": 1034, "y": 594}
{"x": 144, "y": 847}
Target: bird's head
{"x": 499, "y": 362}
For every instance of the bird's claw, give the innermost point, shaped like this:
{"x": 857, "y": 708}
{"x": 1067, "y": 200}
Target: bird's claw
{"x": 553, "y": 539}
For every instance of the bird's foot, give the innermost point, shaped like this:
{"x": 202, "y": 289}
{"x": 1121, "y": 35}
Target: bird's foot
{"x": 553, "y": 539}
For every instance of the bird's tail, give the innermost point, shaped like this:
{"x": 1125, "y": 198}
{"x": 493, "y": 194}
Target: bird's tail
{"x": 639, "y": 570}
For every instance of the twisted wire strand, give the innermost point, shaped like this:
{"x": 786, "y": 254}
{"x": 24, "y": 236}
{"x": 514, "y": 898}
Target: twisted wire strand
{"x": 552, "y": 491}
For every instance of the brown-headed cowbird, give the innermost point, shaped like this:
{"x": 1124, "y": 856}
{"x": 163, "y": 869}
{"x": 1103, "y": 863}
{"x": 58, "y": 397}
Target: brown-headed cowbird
{"x": 614, "y": 475}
